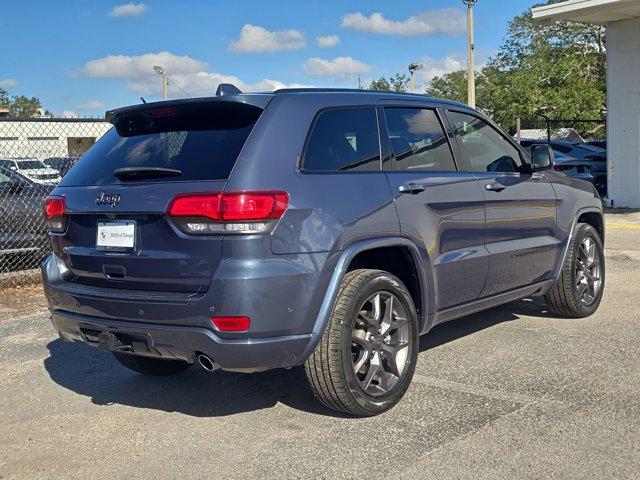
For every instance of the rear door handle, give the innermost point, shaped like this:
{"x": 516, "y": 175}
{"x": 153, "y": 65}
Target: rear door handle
{"x": 494, "y": 187}
{"x": 411, "y": 188}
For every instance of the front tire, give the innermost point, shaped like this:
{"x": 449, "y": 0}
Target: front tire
{"x": 580, "y": 286}
{"x": 150, "y": 365}
{"x": 365, "y": 360}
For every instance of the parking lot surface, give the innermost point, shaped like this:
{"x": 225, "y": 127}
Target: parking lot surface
{"x": 507, "y": 393}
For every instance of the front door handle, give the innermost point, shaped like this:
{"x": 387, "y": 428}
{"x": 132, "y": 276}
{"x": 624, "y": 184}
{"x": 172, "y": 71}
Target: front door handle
{"x": 494, "y": 187}
{"x": 411, "y": 188}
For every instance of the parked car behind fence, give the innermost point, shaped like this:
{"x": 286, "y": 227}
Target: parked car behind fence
{"x": 34, "y": 155}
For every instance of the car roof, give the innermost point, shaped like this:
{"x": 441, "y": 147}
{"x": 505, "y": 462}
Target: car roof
{"x": 262, "y": 99}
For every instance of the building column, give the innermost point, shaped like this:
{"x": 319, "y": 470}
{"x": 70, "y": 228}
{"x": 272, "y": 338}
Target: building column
{"x": 623, "y": 113}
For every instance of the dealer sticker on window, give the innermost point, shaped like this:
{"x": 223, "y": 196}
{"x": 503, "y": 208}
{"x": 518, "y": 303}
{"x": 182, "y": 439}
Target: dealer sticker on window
{"x": 116, "y": 235}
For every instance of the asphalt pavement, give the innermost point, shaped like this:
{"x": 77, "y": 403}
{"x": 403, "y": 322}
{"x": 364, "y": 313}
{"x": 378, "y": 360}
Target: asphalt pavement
{"x": 508, "y": 393}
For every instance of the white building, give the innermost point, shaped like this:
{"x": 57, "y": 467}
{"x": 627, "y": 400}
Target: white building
{"x": 622, "y": 18}
{"x": 43, "y": 138}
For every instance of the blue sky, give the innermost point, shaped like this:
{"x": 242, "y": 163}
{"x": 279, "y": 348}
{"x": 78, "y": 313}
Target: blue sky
{"x": 83, "y": 57}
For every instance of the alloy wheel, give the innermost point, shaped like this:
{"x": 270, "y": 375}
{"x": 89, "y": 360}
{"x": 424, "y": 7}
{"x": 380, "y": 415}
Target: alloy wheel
{"x": 380, "y": 343}
{"x": 588, "y": 281}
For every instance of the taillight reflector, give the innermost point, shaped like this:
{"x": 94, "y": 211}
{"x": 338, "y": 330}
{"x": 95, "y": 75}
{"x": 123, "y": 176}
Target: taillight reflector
{"x": 244, "y": 206}
{"x": 228, "y": 212}
{"x": 55, "y": 206}
{"x": 55, "y": 213}
{"x": 231, "y": 324}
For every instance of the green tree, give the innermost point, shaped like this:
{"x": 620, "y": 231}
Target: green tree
{"x": 22, "y": 106}
{"x": 557, "y": 69}
{"x": 396, "y": 83}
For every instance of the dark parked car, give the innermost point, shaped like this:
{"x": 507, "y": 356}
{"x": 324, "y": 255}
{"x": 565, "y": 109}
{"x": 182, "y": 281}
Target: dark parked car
{"x": 323, "y": 228}
{"x": 23, "y": 231}
{"x": 61, "y": 164}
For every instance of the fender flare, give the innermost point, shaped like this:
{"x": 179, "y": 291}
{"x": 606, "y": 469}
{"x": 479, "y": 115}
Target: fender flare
{"x": 574, "y": 222}
{"x": 348, "y": 254}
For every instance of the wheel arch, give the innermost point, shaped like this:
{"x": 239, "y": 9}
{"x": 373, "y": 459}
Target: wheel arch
{"x": 360, "y": 254}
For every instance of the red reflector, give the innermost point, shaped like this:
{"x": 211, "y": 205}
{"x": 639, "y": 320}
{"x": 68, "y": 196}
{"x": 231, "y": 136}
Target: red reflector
{"x": 54, "y": 207}
{"x": 233, "y": 206}
{"x": 231, "y": 324}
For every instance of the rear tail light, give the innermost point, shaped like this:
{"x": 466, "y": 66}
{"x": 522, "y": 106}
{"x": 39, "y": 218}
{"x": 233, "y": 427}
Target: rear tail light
{"x": 234, "y": 212}
{"x": 231, "y": 324}
{"x": 55, "y": 213}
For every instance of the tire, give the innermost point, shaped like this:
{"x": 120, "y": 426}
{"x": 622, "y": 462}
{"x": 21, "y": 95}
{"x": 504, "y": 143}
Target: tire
{"x": 352, "y": 340}
{"x": 150, "y": 365}
{"x": 566, "y": 298}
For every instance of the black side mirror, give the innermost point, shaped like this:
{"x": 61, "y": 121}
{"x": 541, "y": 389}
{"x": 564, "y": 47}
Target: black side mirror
{"x": 542, "y": 158}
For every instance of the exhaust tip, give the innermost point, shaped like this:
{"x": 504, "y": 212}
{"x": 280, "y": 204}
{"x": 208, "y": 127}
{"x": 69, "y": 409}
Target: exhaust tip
{"x": 206, "y": 362}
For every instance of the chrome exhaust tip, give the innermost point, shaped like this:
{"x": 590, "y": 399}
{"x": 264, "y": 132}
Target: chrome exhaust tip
{"x": 206, "y": 362}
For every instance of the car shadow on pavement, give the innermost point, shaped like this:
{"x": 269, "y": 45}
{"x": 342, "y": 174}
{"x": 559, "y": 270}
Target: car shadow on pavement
{"x": 195, "y": 392}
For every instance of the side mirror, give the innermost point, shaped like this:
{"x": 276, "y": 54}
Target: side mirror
{"x": 542, "y": 158}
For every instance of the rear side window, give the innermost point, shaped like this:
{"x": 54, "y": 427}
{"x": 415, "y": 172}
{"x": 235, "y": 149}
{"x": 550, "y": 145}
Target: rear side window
{"x": 418, "y": 140}
{"x": 343, "y": 139}
{"x": 201, "y": 141}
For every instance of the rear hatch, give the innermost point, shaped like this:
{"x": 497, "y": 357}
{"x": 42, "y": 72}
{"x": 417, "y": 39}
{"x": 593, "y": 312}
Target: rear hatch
{"x": 117, "y": 234}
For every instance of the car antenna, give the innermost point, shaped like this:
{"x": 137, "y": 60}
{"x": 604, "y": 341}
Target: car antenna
{"x": 143, "y": 100}
{"x": 227, "y": 89}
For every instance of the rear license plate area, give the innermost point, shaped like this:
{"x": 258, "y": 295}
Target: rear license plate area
{"x": 116, "y": 236}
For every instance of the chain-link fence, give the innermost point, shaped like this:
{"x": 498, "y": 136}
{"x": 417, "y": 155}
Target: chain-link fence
{"x": 35, "y": 154}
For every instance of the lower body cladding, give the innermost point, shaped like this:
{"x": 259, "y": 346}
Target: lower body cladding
{"x": 183, "y": 343}
{"x": 281, "y": 295}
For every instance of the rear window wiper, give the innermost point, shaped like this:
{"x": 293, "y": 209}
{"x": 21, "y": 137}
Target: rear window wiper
{"x": 134, "y": 173}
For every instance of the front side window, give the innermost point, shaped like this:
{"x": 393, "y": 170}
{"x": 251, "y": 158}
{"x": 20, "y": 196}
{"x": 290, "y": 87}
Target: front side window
{"x": 486, "y": 149}
{"x": 418, "y": 140}
{"x": 344, "y": 139}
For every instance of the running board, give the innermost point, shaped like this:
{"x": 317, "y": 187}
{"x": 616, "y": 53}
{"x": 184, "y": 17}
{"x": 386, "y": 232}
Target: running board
{"x": 489, "y": 302}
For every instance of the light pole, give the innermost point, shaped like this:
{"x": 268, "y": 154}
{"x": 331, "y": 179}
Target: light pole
{"x": 413, "y": 67}
{"x": 161, "y": 71}
{"x": 471, "y": 77}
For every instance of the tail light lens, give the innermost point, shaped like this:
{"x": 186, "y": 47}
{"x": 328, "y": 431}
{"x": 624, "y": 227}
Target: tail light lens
{"x": 563, "y": 168}
{"x": 229, "y": 212}
{"x": 55, "y": 213}
{"x": 231, "y": 324}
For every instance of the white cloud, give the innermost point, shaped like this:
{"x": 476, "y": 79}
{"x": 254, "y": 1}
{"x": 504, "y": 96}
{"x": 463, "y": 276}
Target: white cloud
{"x": 257, "y": 39}
{"x": 338, "y": 66}
{"x": 69, "y": 114}
{"x": 128, "y": 10}
{"x": 447, "y": 21}
{"x": 327, "y": 41}
{"x": 193, "y": 76}
{"x": 8, "y": 83}
{"x": 90, "y": 105}
{"x": 123, "y": 66}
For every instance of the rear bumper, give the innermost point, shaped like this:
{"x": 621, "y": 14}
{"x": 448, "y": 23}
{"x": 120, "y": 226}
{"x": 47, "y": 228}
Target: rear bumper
{"x": 185, "y": 343}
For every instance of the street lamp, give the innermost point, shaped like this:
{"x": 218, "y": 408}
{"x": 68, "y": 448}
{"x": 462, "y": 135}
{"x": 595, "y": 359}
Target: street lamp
{"x": 413, "y": 67}
{"x": 471, "y": 77}
{"x": 161, "y": 71}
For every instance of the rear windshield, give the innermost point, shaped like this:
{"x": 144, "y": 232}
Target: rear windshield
{"x": 201, "y": 141}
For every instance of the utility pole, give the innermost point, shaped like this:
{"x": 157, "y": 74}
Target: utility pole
{"x": 161, "y": 71}
{"x": 471, "y": 77}
{"x": 414, "y": 67}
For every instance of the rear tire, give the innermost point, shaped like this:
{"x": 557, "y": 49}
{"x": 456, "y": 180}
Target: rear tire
{"x": 579, "y": 288}
{"x": 150, "y": 365}
{"x": 365, "y": 360}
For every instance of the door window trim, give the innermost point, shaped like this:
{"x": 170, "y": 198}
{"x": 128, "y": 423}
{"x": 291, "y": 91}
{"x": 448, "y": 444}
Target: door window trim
{"x": 446, "y": 129}
{"x": 300, "y": 163}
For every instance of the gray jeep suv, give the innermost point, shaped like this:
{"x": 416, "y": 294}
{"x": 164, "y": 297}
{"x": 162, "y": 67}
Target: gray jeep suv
{"x": 324, "y": 228}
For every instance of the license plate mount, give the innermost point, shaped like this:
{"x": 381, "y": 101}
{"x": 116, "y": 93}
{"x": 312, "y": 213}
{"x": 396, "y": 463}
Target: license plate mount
{"x": 116, "y": 236}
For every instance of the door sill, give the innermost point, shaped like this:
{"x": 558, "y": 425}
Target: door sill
{"x": 458, "y": 311}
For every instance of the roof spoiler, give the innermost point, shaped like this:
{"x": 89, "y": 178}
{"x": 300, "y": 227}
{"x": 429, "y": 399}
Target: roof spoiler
{"x": 227, "y": 89}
